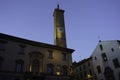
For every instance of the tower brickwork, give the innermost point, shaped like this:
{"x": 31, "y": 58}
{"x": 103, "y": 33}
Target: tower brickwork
{"x": 59, "y": 28}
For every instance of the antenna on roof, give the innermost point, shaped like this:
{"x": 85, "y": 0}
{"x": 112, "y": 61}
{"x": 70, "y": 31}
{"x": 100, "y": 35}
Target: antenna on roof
{"x": 99, "y": 39}
{"x": 57, "y": 6}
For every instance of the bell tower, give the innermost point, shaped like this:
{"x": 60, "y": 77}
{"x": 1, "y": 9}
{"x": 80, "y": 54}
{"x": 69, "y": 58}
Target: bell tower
{"x": 59, "y": 28}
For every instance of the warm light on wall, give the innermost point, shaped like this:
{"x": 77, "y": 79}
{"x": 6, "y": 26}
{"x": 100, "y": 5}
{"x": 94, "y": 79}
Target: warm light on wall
{"x": 30, "y": 69}
{"x": 89, "y": 76}
{"x": 58, "y": 73}
{"x": 119, "y": 46}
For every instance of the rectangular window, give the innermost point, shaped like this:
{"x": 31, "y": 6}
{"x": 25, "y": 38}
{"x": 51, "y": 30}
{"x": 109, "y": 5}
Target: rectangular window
{"x": 104, "y": 57}
{"x": 64, "y": 56}
{"x": 50, "y": 54}
{"x": 88, "y": 63}
{"x": 99, "y": 69}
{"x": 116, "y": 63}
{"x": 22, "y": 50}
{"x": 18, "y": 67}
{"x": 101, "y": 47}
{"x": 84, "y": 66}
{"x": 80, "y": 68}
{"x": 2, "y": 46}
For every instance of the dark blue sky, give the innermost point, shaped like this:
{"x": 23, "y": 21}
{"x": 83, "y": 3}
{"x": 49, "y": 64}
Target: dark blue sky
{"x": 85, "y": 20}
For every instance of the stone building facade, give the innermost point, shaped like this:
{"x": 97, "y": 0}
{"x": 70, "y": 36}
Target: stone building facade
{"x": 83, "y": 70}
{"x": 106, "y": 60}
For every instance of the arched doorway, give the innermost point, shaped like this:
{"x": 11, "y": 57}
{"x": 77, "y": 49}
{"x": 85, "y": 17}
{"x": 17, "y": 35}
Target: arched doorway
{"x": 109, "y": 74}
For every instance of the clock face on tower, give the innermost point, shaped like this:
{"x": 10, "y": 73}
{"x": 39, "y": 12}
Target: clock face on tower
{"x": 60, "y": 29}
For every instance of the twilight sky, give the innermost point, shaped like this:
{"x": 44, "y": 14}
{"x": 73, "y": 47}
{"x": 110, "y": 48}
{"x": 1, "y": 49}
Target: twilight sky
{"x": 86, "y": 22}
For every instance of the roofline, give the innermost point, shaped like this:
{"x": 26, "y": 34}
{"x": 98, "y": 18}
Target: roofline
{"x": 34, "y": 43}
{"x": 109, "y": 40}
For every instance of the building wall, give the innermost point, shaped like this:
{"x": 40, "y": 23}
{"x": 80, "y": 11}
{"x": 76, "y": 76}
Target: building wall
{"x": 111, "y": 49}
{"x": 12, "y": 51}
{"x": 83, "y": 70}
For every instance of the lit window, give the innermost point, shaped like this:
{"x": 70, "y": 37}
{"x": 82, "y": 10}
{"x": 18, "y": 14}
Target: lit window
{"x": 58, "y": 70}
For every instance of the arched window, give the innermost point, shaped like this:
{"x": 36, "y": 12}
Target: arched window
{"x": 35, "y": 66}
{"x": 64, "y": 70}
{"x": 50, "y": 68}
{"x": 19, "y": 65}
